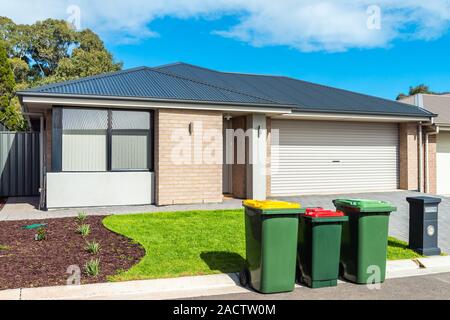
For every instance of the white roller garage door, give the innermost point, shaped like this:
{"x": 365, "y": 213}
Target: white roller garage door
{"x": 334, "y": 157}
{"x": 443, "y": 163}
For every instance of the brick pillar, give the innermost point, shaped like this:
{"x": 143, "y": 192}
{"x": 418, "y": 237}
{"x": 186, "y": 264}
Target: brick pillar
{"x": 197, "y": 180}
{"x": 408, "y": 154}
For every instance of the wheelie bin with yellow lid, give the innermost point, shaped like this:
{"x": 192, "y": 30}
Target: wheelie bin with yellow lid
{"x": 271, "y": 229}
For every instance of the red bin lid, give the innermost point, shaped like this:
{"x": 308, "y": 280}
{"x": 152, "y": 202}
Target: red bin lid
{"x": 322, "y": 213}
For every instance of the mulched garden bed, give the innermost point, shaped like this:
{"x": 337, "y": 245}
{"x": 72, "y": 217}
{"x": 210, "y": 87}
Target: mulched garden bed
{"x": 26, "y": 263}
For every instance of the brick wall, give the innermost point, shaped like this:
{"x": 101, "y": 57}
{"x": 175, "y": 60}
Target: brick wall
{"x": 179, "y": 183}
{"x": 432, "y": 164}
{"x": 409, "y": 159}
{"x": 408, "y": 156}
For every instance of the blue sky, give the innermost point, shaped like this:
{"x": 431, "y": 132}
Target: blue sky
{"x": 377, "y": 49}
{"x": 383, "y": 72}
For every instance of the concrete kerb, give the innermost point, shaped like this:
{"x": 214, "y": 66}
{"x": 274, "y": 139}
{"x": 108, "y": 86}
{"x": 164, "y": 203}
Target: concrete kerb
{"x": 172, "y": 288}
{"x": 195, "y": 286}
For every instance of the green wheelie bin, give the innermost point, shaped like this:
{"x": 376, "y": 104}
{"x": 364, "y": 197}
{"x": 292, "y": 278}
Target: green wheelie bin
{"x": 271, "y": 229}
{"x": 364, "y": 239}
{"x": 319, "y": 247}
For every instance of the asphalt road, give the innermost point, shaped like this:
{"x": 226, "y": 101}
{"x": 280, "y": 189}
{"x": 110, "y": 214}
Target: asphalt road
{"x": 429, "y": 287}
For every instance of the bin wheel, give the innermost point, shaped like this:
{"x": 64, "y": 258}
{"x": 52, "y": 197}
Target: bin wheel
{"x": 244, "y": 277}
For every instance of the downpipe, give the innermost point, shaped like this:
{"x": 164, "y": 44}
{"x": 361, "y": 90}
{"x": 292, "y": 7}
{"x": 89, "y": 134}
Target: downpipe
{"x": 419, "y": 129}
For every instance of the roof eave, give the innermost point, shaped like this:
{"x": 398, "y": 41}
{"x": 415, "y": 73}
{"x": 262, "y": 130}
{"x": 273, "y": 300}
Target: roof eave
{"x": 149, "y": 99}
{"x": 365, "y": 113}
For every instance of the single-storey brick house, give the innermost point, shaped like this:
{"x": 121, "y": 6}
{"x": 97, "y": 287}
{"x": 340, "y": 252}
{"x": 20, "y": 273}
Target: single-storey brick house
{"x": 115, "y": 139}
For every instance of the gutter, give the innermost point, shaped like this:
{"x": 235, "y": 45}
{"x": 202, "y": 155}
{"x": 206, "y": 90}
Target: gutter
{"x": 284, "y": 108}
{"x": 355, "y": 116}
{"x": 98, "y": 97}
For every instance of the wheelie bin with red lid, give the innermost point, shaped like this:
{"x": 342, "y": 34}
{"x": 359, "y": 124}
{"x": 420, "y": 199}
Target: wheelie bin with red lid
{"x": 271, "y": 229}
{"x": 319, "y": 244}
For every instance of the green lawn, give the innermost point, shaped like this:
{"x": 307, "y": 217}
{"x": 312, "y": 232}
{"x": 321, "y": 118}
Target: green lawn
{"x": 183, "y": 243}
{"x": 194, "y": 243}
{"x": 398, "y": 249}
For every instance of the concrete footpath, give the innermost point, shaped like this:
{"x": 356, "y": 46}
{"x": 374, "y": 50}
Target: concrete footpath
{"x": 212, "y": 286}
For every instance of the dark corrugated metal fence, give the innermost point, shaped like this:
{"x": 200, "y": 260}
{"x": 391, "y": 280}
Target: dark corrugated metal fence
{"x": 19, "y": 164}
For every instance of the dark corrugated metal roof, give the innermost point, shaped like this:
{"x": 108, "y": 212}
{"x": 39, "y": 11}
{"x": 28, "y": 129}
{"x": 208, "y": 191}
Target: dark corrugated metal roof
{"x": 185, "y": 82}
{"x": 306, "y": 96}
{"x": 149, "y": 83}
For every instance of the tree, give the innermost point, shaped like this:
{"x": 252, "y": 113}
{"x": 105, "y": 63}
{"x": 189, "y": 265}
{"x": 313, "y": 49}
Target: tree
{"x": 10, "y": 114}
{"x": 12, "y": 118}
{"x": 401, "y": 96}
{"x": 46, "y": 52}
{"x": 421, "y": 88}
{"x": 7, "y": 82}
{"x": 49, "y": 42}
{"x": 51, "y": 50}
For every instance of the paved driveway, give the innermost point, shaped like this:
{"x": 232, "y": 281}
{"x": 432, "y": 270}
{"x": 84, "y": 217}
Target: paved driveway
{"x": 399, "y": 221}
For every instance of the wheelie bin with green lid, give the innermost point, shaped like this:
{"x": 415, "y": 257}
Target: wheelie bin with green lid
{"x": 364, "y": 239}
{"x": 319, "y": 244}
{"x": 271, "y": 229}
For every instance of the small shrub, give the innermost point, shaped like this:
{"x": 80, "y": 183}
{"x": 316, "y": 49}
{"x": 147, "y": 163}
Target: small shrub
{"x": 84, "y": 230}
{"x": 81, "y": 217}
{"x": 93, "y": 247}
{"x": 92, "y": 267}
{"x": 2, "y": 247}
{"x": 41, "y": 234}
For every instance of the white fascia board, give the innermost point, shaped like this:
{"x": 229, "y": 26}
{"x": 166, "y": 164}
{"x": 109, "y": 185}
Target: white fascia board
{"x": 351, "y": 117}
{"x": 444, "y": 127}
{"x": 117, "y": 103}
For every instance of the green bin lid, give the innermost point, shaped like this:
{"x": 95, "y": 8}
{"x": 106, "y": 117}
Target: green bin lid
{"x": 365, "y": 205}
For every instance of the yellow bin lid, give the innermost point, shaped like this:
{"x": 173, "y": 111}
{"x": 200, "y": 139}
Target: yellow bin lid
{"x": 271, "y": 204}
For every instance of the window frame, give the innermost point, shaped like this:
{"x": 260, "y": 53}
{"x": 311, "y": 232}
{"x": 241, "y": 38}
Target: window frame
{"x": 57, "y": 132}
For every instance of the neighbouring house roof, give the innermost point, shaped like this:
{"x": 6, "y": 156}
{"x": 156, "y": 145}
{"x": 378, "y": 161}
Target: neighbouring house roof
{"x": 436, "y": 103}
{"x": 188, "y": 83}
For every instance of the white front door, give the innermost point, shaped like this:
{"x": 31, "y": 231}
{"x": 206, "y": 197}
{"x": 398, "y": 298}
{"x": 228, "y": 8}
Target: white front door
{"x": 443, "y": 163}
{"x": 334, "y": 157}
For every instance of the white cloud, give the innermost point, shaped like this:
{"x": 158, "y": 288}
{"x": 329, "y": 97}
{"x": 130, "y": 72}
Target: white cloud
{"x": 308, "y": 25}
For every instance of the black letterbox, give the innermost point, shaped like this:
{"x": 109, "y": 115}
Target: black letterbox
{"x": 423, "y": 225}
